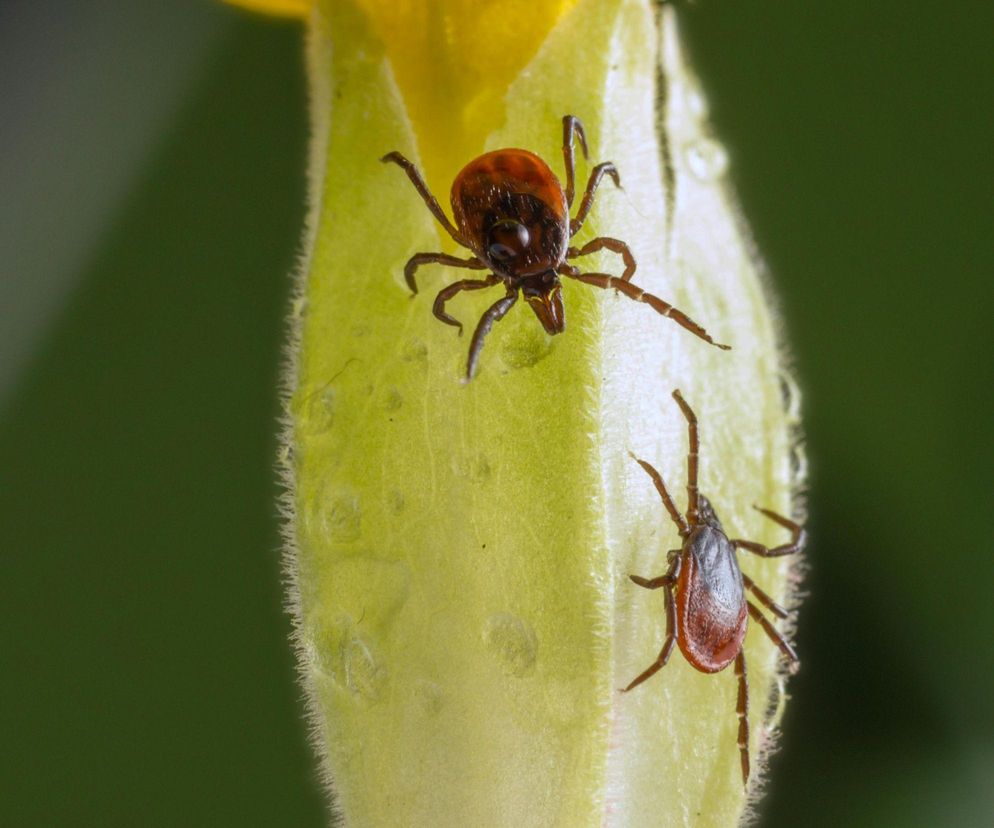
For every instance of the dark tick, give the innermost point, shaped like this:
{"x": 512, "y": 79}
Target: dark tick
{"x": 707, "y": 615}
{"x": 512, "y": 213}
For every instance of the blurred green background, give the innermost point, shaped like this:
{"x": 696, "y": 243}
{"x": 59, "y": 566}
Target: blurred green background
{"x": 151, "y": 200}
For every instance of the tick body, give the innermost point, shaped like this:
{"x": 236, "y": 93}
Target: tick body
{"x": 513, "y": 214}
{"x": 705, "y": 591}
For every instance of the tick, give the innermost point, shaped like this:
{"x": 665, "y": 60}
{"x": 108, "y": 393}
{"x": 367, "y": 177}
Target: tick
{"x": 706, "y": 606}
{"x": 512, "y": 213}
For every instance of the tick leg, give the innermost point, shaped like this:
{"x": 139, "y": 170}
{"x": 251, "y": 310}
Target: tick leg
{"x": 667, "y": 580}
{"x": 693, "y": 497}
{"x": 653, "y": 583}
{"x": 422, "y": 188}
{"x": 494, "y": 313}
{"x": 446, "y": 293}
{"x": 742, "y": 708}
{"x": 571, "y": 127}
{"x": 596, "y": 174}
{"x": 602, "y": 280}
{"x": 664, "y": 654}
{"x": 657, "y": 479}
{"x": 615, "y": 245}
{"x": 770, "y": 630}
{"x": 798, "y": 540}
{"x": 419, "y": 259}
{"x": 764, "y": 599}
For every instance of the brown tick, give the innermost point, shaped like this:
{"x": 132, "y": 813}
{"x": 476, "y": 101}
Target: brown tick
{"x": 707, "y": 616}
{"x": 512, "y": 213}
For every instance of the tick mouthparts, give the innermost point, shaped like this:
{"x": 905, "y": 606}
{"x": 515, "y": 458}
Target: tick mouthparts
{"x": 548, "y": 307}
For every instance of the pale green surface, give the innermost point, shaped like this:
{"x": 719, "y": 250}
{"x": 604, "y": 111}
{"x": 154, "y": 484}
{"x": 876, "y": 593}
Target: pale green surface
{"x": 465, "y": 615}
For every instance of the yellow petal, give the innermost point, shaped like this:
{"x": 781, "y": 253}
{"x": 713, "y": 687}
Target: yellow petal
{"x": 454, "y": 62}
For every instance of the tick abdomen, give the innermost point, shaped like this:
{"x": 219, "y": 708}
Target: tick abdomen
{"x": 513, "y": 184}
{"x": 711, "y": 604}
{"x": 482, "y": 180}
